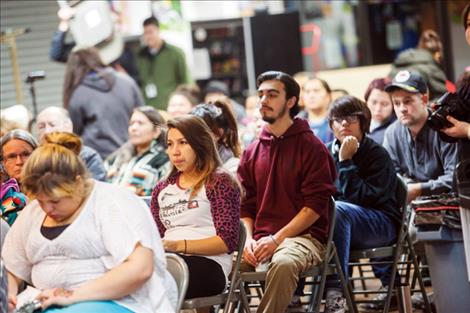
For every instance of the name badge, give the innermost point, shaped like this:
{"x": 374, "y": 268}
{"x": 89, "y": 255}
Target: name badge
{"x": 151, "y": 91}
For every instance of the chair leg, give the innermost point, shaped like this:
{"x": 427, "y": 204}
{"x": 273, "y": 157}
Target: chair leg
{"x": 344, "y": 284}
{"x": 427, "y": 306}
{"x": 244, "y": 298}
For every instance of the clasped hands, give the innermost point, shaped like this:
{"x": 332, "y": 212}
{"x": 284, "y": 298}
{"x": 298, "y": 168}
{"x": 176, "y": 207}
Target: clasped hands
{"x": 259, "y": 251}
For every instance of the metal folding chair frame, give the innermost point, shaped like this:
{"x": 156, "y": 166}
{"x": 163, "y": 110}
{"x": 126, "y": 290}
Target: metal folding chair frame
{"x": 318, "y": 271}
{"x": 403, "y": 246}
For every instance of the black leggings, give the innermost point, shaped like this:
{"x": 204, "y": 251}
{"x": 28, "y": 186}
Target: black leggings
{"x": 206, "y": 277}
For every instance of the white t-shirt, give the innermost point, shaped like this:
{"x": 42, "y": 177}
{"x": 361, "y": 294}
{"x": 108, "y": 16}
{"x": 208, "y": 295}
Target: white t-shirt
{"x": 105, "y": 233}
{"x": 184, "y": 218}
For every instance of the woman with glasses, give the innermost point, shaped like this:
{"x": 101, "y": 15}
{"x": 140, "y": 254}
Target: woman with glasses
{"x": 221, "y": 121}
{"x": 17, "y": 145}
{"x": 197, "y": 208}
{"x": 88, "y": 246}
{"x": 367, "y": 212}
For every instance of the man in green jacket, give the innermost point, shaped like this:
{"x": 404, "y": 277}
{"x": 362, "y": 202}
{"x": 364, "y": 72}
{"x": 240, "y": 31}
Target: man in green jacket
{"x": 162, "y": 67}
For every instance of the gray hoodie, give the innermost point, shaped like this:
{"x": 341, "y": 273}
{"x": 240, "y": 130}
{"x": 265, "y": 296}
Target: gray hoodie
{"x": 100, "y": 109}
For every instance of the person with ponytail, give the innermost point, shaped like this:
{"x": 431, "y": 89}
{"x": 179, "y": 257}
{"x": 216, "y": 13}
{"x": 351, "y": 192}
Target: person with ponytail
{"x": 221, "y": 121}
{"x": 87, "y": 246}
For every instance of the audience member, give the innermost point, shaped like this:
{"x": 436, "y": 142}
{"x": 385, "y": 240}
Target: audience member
{"x": 181, "y": 102}
{"x": 301, "y": 78}
{"x": 287, "y": 224}
{"x": 142, "y": 161}
{"x": 162, "y": 66}
{"x": 17, "y": 146}
{"x": 217, "y": 90}
{"x": 100, "y": 101}
{"x": 380, "y": 105}
{"x": 367, "y": 213}
{"x": 197, "y": 208}
{"x": 426, "y": 60}
{"x": 338, "y": 93}
{"x": 461, "y": 127}
{"x": 417, "y": 151}
{"x": 223, "y": 125}
{"x": 87, "y": 246}
{"x": 316, "y": 98}
{"x": 251, "y": 125}
{"x": 57, "y": 119}
{"x": 15, "y": 117}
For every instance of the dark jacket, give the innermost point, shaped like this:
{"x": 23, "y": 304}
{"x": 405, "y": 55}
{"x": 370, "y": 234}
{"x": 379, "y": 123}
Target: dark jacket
{"x": 93, "y": 162}
{"x": 281, "y": 175}
{"x": 421, "y": 61}
{"x": 100, "y": 109}
{"x": 368, "y": 179}
{"x": 378, "y": 133}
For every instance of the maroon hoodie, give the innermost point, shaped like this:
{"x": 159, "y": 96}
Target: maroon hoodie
{"x": 281, "y": 175}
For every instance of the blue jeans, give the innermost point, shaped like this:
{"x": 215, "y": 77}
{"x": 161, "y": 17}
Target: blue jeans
{"x": 91, "y": 307}
{"x": 360, "y": 228}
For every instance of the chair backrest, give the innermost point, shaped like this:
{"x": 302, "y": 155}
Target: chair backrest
{"x": 401, "y": 195}
{"x": 238, "y": 260}
{"x": 179, "y": 270}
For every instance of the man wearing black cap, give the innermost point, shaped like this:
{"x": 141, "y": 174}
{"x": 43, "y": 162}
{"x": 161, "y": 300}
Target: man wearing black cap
{"x": 417, "y": 151}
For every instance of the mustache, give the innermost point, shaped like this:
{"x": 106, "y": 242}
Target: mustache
{"x": 266, "y": 107}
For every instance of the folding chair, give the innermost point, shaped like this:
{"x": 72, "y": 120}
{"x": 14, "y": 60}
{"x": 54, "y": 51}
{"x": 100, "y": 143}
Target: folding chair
{"x": 317, "y": 272}
{"x": 402, "y": 246}
{"x": 227, "y": 297}
{"x": 179, "y": 270}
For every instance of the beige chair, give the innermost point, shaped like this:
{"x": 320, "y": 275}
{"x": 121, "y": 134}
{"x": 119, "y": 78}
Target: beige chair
{"x": 179, "y": 270}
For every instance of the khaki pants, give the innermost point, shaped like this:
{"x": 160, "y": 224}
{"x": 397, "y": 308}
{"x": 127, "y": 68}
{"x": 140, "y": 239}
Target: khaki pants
{"x": 292, "y": 257}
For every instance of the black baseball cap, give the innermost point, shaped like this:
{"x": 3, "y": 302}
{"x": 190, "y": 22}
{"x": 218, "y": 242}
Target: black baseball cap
{"x": 408, "y": 81}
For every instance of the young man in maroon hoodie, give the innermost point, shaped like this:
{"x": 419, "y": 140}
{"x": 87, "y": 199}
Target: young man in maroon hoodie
{"x": 288, "y": 176}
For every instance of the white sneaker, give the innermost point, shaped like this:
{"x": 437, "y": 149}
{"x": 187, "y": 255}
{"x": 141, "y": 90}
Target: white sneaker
{"x": 335, "y": 305}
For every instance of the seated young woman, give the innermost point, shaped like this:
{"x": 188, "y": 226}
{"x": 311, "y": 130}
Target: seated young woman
{"x": 88, "y": 246}
{"x": 197, "y": 208}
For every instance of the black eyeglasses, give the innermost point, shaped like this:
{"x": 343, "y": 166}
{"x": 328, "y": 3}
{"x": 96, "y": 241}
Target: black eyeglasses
{"x": 350, "y": 119}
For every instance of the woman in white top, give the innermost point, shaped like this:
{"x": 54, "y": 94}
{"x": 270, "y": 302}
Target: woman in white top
{"x": 197, "y": 208}
{"x": 88, "y": 246}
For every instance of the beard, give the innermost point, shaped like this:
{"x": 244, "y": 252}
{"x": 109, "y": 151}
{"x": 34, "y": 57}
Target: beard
{"x": 273, "y": 119}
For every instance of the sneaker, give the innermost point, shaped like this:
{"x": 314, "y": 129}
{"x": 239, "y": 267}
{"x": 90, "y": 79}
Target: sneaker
{"x": 379, "y": 306}
{"x": 295, "y": 302}
{"x": 335, "y": 305}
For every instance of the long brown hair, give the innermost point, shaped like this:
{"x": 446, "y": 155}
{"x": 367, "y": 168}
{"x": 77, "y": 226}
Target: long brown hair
{"x": 79, "y": 63}
{"x": 200, "y": 138}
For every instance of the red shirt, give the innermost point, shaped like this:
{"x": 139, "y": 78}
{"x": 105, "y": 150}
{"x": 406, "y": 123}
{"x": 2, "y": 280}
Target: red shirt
{"x": 281, "y": 175}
